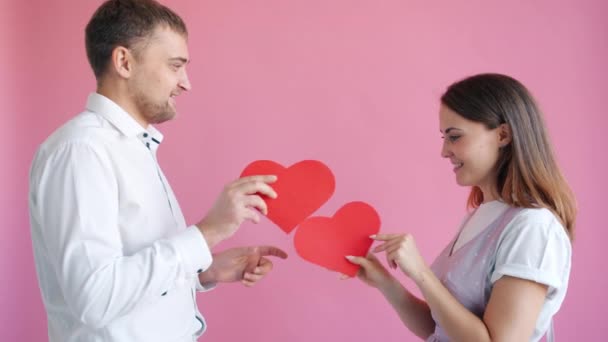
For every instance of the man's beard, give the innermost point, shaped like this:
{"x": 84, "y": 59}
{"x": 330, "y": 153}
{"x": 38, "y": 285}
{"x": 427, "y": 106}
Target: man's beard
{"x": 154, "y": 113}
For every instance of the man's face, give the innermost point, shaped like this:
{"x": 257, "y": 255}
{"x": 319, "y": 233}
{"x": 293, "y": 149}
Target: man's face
{"x": 159, "y": 75}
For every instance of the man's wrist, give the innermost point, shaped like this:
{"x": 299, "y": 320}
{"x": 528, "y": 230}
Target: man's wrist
{"x": 210, "y": 235}
{"x": 207, "y": 278}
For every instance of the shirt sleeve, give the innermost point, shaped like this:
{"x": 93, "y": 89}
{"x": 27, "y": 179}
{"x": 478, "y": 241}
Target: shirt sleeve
{"x": 534, "y": 246}
{"x": 200, "y": 287}
{"x": 74, "y": 201}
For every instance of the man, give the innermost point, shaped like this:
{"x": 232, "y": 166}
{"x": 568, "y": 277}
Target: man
{"x": 114, "y": 257}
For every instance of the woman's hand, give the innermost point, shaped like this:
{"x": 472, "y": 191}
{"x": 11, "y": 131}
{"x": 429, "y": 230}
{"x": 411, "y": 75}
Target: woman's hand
{"x": 371, "y": 272}
{"x": 401, "y": 251}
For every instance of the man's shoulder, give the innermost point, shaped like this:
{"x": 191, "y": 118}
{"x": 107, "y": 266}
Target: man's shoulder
{"x": 86, "y": 128}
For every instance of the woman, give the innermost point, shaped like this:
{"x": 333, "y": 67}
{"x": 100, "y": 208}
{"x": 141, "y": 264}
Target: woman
{"x": 505, "y": 274}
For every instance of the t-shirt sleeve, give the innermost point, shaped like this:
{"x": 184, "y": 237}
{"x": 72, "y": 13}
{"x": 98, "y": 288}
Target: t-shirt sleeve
{"x": 534, "y": 246}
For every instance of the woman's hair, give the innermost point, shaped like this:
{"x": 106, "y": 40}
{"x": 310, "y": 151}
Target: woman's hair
{"x": 527, "y": 173}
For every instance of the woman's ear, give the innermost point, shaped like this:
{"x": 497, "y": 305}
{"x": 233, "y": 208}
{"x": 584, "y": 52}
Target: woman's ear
{"x": 504, "y": 135}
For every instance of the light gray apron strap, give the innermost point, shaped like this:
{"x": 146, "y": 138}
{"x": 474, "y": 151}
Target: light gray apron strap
{"x": 550, "y": 333}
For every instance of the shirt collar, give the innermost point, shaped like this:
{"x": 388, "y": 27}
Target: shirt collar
{"x": 124, "y": 122}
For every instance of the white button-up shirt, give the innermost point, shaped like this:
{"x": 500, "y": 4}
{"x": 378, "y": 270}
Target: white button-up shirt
{"x": 114, "y": 257}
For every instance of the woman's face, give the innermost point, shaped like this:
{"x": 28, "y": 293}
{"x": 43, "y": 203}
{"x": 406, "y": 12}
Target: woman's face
{"x": 472, "y": 148}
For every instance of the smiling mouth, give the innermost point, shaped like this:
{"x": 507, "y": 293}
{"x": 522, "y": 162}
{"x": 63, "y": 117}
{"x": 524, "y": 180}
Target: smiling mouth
{"x": 457, "y": 166}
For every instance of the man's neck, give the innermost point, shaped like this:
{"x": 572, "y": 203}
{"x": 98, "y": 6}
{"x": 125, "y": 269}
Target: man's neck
{"x": 119, "y": 95}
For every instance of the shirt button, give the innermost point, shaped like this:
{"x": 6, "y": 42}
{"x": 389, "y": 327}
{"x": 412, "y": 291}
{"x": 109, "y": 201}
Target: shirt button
{"x": 164, "y": 293}
{"x": 145, "y": 135}
{"x": 200, "y": 270}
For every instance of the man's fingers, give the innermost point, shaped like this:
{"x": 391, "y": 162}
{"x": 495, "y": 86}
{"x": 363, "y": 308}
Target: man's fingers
{"x": 247, "y": 283}
{"x": 271, "y": 251}
{"x": 251, "y": 215}
{"x": 258, "y": 273}
{"x": 251, "y": 188}
{"x": 250, "y": 277}
{"x": 264, "y": 266}
{"x": 268, "y": 179}
{"x": 254, "y": 201}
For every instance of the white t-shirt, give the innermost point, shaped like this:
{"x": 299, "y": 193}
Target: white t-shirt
{"x": 533, "y": 246}
{"x": 479, "y": 220}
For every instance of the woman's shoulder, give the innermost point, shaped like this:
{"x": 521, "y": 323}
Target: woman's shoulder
{"x": 534, "y": 245}
{"x": 538, "y": 223}
{"x": 537, "y": 216}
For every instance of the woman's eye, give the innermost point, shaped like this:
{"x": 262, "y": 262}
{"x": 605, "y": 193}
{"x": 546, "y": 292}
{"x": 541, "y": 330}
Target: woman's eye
{"x": 453, "y": 138}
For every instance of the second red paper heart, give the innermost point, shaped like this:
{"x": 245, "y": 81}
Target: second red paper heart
{"x": 326, "y": 241}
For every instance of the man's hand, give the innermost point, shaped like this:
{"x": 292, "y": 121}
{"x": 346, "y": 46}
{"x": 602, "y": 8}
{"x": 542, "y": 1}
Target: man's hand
{"x": 245, "y": 264}
{"x": 237, "y": 202}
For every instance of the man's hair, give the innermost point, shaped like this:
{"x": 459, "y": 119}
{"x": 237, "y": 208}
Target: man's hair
{"x": 125, "y": 23}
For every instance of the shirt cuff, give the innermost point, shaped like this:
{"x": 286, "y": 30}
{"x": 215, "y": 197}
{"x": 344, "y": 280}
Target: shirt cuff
{"x": 193, "y": 250}
{"x": 200, "y": 287}
{"x": 527, "y": 273}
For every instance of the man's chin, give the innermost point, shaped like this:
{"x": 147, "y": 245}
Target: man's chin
{"x": 160, "y": 118}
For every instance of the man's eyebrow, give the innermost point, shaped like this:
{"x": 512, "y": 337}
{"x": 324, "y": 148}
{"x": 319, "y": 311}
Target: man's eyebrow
{"x": 180, "y": 59}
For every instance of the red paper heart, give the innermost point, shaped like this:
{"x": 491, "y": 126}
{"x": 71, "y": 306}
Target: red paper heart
{"x": 326, "y": 241}
{"x": 301, "y": 188}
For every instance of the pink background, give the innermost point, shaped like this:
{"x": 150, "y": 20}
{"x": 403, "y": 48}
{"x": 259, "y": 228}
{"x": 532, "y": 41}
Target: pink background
{"x": 353, "y": 83}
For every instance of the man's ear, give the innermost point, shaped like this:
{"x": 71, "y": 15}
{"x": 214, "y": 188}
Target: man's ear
{"x": 122, "y": 61}
{"x": 504, "y": 135}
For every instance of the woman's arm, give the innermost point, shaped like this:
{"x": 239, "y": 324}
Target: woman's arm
{"x": 412, "y": 311}
{"x": 511, "y": 313}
